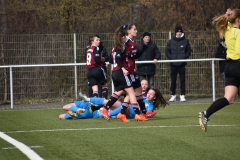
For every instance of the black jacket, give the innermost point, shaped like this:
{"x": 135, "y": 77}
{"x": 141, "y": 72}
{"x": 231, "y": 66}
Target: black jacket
{"x": 221, "y": 53}
{"x": 178, "y": 48}
{"x": 149, "y": 54}
{"x": 104, "y": 53}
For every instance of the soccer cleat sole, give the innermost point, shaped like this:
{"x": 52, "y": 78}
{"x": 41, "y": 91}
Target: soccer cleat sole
{"x": 200, "y": 122}
{"x": 106, "y": 117}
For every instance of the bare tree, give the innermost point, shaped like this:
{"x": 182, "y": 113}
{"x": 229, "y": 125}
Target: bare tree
{"x": 3, "y": 32}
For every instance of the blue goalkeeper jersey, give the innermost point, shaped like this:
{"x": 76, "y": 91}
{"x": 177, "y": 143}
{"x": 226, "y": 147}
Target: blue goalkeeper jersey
{"x": 85, "y": 105}
{"x": 148, "y": 104}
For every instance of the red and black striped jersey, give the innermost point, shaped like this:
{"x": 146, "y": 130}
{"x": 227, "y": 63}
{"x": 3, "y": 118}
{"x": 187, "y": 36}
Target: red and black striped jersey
{"x": 131, "y": 48}
{"x": 93, "y": 58}
{"x": 119, "y": 55}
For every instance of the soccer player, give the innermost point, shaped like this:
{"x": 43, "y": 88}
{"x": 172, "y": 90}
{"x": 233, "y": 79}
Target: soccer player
{"x": 102, "y": 90}
{"x": 145, "y": 88}
{"x": 121, "y": 78}
{"x": 132, "y": 53}
{"x": 82, "y": 109}
{"x": 228, "y": 27}
{"x": 95, "y": 73}
{"x": 153, "y": 101}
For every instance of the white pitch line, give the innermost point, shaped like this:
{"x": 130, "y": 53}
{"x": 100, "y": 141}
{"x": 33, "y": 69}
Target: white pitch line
{"x": 111, "y": 128}
{"x": 22, "y": 147}
{"x": 16, "y": 147}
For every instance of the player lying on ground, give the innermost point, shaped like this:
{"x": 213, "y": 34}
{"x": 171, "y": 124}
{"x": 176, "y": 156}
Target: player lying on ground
{"x": 153, "y": 101}
{"x": 82, "y": 109}
{"x": 92, "y": 108}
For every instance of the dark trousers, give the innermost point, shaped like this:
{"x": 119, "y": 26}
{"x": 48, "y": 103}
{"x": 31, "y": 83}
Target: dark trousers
{"x": 149, "y": 78}
{"x": 181, "y": 71}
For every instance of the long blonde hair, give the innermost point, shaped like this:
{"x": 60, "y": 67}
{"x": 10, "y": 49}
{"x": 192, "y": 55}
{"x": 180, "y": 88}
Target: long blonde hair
{"x": 221, "y": 21}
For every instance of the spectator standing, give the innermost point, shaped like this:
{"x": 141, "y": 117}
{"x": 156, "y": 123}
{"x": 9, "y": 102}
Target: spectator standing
{"x": 148, "y": 70}
{"x": 178, "y": 47}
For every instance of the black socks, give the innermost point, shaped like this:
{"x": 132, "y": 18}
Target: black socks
{"x": 217, "y": 105}
{"x": 125, "y": 105}
{"x": 111, "y": 101}
{"x": 105, "y": 92}
{"x": 141, "y": 104}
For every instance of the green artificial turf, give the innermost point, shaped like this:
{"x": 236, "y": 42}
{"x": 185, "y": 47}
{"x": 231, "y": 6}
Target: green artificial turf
{"x": 172, "y": 134}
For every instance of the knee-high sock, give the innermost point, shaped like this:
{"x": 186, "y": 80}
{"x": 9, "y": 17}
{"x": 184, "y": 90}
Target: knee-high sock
{"x": 141, "y": 104}
{"x": 125, "y": 105}
{"x": 95, "y": 94}
{"x": 111, "y": 101}
{"x": 105, "y": 92}
{"x": 217, "y": 105}
{"x": 136, "y": 108}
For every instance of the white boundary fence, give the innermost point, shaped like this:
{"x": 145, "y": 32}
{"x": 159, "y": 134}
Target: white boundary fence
{"x": 212, "y": 60}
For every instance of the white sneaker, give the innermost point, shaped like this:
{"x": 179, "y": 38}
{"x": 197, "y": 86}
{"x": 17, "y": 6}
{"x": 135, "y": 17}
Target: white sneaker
{"x": 173, "y": 98}
{"x": 182, "y": 98}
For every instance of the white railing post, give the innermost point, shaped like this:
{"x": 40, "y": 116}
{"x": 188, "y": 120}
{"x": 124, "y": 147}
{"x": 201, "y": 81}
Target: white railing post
{"x": 75, "y": 61}
{"x": 113, "y": 89}
{"x": 213, "y": 81}
{"x": 11, "y": 87}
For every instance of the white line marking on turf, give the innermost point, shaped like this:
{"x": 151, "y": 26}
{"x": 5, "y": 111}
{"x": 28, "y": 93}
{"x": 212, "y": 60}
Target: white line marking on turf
{"x": 22, "y": 147}
{"x": 84, "y": 129}
{"x": 29, "y": 146}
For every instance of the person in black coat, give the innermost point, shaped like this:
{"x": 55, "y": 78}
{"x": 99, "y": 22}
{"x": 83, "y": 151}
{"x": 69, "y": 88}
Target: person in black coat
{"x": 221, "y": 53}
{"x": 178, "y": 47}
{"x": 148, "y": 70}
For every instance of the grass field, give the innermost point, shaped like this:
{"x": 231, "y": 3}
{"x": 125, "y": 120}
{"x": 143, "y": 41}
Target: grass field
{"x": 172, "y": 134}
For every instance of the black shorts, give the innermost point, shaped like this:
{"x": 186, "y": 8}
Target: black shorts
{"x": 96, "y": 76}
{"x": 135, "y": 81}
{"x": 105, "y": 69}
{"x": 121, "y": 81}
{"x": 232, "y": 73}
